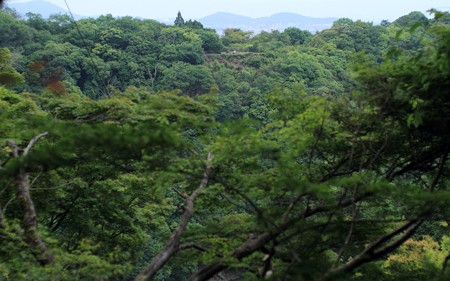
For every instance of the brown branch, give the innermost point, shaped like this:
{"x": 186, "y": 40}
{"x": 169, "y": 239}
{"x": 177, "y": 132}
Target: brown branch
{"x": 229, "y": 200}
{"x": 254, "y": 244}
{"x": 255, "y": 207}
{"x": 182, "y": 195}
{"x": 36, "y": 178}
{"x": 379, "y": 151}
{"x": 173, "y": 244}
{"x": 244, "y": 196}
{"x": 349, "y": 234}
{"x": 292, "y": 204}
{"x": 7, "y": 204}
{"x": 419, "y": 162}
{"x": 436, "y": 177}
{"x": 193, "y": 246}
{"x": 376, "y": 250}
{"x": 51, "y": 188}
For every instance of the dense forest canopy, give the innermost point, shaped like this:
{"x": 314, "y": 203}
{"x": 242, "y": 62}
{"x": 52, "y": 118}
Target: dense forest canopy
{"x": 133, "y": 150}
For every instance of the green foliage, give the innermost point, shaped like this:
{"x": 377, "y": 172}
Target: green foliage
{"x": 18, "y": 264}
{"x": 102, "y": 157}
{"x": 355, "y": 36}
{"x": 424, "y": 256}
{"x": 416, "y": 89}
{"x": 297, "y": 36}
{"x": 411, "y": 19}
{"x": 190, "y": 79}
{"x": 191, "y": 53}
{"x": 18, "y": 35}
{"x": 312, "y": 164}
{"x": 179, "y": 21}
{"x": 211, "y": 42}
{"x": 194, "y": 24}
{"x": 235, "y": 36}
{"x": 8, "y": 75}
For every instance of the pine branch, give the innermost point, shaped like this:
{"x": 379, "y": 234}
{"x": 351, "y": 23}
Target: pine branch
{"x": 376, "y": 250}
{"x": 254, "y": 244}
{"x": 173, "y": 244}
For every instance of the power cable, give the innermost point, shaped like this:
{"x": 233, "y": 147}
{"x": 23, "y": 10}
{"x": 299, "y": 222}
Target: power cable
{"x": 94, "y": 65}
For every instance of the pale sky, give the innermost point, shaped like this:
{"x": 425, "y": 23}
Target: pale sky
{"x": 367, "y": 10}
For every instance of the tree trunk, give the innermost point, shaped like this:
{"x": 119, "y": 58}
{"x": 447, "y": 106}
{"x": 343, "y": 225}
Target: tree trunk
{"x": 23, "y": 195}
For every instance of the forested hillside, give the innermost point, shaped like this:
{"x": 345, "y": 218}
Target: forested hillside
{"x": 133, "y": 150}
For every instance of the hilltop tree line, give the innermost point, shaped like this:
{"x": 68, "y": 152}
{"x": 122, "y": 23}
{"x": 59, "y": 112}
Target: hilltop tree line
{"x": 133, "y": 150}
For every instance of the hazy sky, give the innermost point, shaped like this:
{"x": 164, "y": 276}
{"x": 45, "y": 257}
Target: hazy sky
{"x": 368, "y": 10}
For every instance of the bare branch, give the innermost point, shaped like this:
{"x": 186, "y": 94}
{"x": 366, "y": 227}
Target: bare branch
{"x": 182, "y": 195}
{"x": 173, "y": 244}
{"x": 33, "y": 142}
{"x": 255, "y": 207}
{"x": 193, "y": 246}
{"x": 254, "y": 244}
{"x": 292, "y": 205}
{"x": 246, "y": 198}
{"x": 375, "y": 250}
{"x": 349, "y": 234}
{"x": 36, "y": 178}
{"x": 379, "y": 151}
{"x": 436, "y": 177}
{"x": 7, "y": 204}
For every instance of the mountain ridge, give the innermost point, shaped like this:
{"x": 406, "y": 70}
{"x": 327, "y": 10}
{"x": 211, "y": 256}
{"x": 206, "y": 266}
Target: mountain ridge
{"x": 278, "y": 21}
{"x": 218, "y": 21}
{"x": 42, "y": 7}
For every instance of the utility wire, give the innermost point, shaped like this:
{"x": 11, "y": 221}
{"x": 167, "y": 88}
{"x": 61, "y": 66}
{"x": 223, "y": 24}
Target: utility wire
{"x": 94, "y": 65}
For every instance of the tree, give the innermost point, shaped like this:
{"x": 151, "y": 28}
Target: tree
{"x": 187, "y": 52}
{"x": 193, "y": 24}
{"x": 297, "y": 36}
{"x": 70, "y": 182}
{"x": 190, "y": 79}
{"x": 279, "y": 164}
{"x": 355, "y": 36}
{"x": 235, "y": 36}
{"x": 211, "y": 42}
{"x": 19, "y": 34}
{"x": 54, "y": 63}
{"x": 328, "y": 167}
{"x": 179, "y": 21}
{"x": 8, "y": 75}
{"x": 385, "y": 23}
{"x": 30, "y": 222}
{"x": 410, "y": 19}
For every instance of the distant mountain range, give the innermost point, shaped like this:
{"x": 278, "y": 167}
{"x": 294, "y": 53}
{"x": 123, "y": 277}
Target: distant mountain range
{"x": 280, "y": 21}
{"x": 41, "y": 7}
{"x": 218, "y": 21}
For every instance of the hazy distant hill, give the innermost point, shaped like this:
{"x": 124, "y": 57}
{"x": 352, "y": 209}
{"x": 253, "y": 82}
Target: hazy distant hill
{"x": 223, "y": 19}
{"x": 38, "y": 7}
{"x": 280, "y": 21}
{"x": 218, "y": 21}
